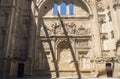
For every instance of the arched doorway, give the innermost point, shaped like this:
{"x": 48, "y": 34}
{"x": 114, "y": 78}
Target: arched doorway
{"x": 64, "y": 56}
{"x": 20, "y": 72}
{"x": 109, "y": 70}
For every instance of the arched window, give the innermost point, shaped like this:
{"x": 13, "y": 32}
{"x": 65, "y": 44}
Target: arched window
{"x": 63, "y": 8}
{"x": 55, "y": 9}
{"x": 71, "y": 9}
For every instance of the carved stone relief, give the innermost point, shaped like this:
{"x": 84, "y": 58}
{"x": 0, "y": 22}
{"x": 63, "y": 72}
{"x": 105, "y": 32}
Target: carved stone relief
{"x": 106, "y": 30}
{"x": 100, "y": 5}
{"x": 71, "y": 29}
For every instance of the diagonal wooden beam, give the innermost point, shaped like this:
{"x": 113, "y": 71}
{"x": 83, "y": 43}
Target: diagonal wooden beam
{"x": 71, "y": 48}
{"x": 52, "y": 51}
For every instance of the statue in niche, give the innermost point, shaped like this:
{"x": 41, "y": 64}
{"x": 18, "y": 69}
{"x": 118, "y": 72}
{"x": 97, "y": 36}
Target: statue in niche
{"x": 105, "y": 43}
{"x": 103, "y": 25}
{"x": 59, "y": 30}
{"x": 53, "y": 28}
{"x": 108, "y": 13}
{"x": 108, "y": 19}
{"x": 100, "y": 6}
{"x": 112, "y": 40}
{"x": 49, "y": 31}
{"x": 56, "y": 28}
{"x": 103, "y": 28}
{"x": 68, "y": 28}
{"x": 73, "y": 28}
{"x": 112, "y": 34}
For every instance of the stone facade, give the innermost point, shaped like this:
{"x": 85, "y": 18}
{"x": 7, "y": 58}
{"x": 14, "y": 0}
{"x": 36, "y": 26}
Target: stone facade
{"x": 35, "y": 41}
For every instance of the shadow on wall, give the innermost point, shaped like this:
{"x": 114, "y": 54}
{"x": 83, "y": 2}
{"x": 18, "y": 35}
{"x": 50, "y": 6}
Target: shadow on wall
{"x": 53, "y": 54}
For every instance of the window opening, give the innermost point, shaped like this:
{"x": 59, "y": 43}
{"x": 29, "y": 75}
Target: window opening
{"x": 71, "y": 8}
{"x": 55, "y": 9}
{"x": 63, "y": 8}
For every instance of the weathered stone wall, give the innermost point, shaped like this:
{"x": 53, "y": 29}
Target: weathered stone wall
{"x": 70, "y": 45}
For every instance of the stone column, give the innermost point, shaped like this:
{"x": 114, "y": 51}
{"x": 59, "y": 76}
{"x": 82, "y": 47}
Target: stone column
{"x": 116, "y": 5}
{"x": 8, "y": 41}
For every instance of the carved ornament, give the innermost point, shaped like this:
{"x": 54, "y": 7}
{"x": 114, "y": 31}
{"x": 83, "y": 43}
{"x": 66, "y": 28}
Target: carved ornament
{"x": 71, "y": 29}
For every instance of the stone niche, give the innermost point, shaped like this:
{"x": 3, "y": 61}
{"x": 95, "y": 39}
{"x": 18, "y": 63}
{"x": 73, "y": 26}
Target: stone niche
{"x": 65, "y": 59}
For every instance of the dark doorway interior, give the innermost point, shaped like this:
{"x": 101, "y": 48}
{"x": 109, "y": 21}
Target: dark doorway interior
{"x": 20, "y": 72}
{"x": 109, "y": 70}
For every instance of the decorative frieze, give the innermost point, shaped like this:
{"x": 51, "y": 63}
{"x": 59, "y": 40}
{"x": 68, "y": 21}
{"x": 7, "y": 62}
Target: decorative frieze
{"x": 71, "y": 29}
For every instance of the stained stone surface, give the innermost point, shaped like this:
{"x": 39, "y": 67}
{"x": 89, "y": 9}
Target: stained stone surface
{"x": 59, "y": 45}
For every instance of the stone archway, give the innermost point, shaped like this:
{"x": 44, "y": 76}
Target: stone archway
{"x": 20, "y": 72}
{"x": 64, "y": 58}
